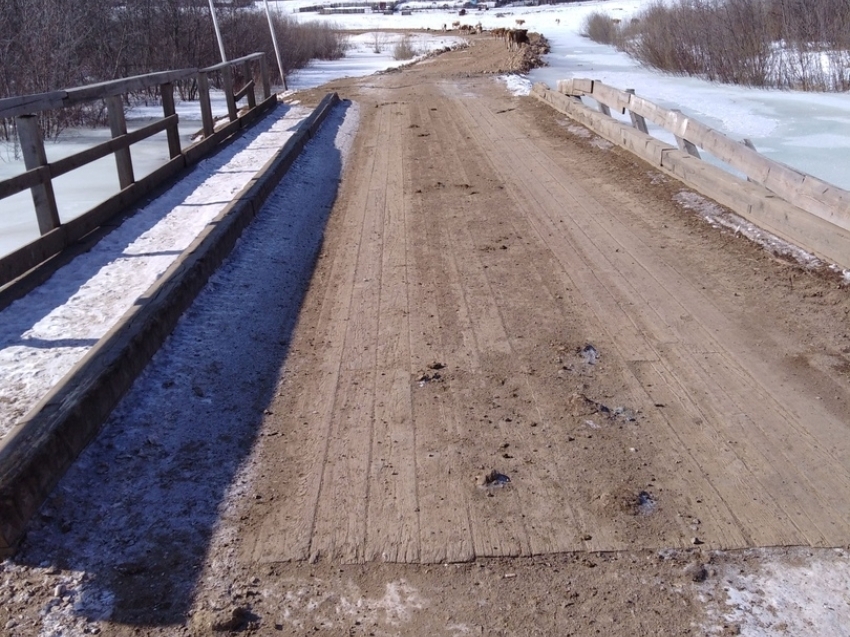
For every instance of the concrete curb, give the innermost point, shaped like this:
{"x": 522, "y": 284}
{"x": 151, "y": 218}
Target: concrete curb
{"x": 41, "y": 448}
{"x": 755, "y": 203}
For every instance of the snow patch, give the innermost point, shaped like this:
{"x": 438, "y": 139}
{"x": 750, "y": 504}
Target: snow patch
{"x": 782, "y": 597}
{"x": 718, "y": 217}
{"x": 518, "y": 85}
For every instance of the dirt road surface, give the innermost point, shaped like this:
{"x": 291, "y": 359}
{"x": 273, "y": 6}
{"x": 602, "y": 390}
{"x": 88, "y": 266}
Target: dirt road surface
{"x": 660, "y": 406}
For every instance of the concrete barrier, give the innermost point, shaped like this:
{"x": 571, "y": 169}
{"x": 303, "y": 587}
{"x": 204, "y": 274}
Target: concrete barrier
{"x": 822, "y": 227}
{"x": 38, "y": 451}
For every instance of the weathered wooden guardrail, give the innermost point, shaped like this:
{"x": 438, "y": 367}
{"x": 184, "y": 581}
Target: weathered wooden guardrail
{"x": 39, "y": 175}
{"x": 798, "y": 207}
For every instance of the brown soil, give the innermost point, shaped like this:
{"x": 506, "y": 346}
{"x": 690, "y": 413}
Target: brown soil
{"x": 476, "y": 249}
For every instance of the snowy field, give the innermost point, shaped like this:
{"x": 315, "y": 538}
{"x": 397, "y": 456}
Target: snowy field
{"x": 808, "y": 131}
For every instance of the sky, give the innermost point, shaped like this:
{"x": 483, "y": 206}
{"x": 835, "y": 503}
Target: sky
{"x": 43, "y": 335}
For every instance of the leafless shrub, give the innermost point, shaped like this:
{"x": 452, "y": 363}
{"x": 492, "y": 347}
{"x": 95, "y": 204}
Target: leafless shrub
{"x": 599, "y": 27}
{"x": 53, "y": 44}
{"x": 403, "y": 49}
{"x": 769, "y": 43}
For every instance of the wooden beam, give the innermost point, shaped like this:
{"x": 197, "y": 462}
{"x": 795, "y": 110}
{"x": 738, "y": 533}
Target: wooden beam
{"x": 223, "y": 65}
{"x": 206, "y": 107}
{"x": 264, "y": 76}
{"x": 72, "y": 162}
{"x": 32, "y": 148}
{"x": 31, "y": 104}
{"x": 166, "y": 91}
{"x": 227, "y": 80}
{"x": 248, "y": 89}
{"x": 24, "y": 181}
{"x": 637, "y": 120}
{"x": 118, "y": 127}
{"x": 103, "y": 90}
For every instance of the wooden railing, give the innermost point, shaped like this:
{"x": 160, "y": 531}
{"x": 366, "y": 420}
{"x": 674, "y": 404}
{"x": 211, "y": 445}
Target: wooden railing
{"x": 39, "y": 175}
{"x": 796, "y": 206}
{"x": 809, "y": 193}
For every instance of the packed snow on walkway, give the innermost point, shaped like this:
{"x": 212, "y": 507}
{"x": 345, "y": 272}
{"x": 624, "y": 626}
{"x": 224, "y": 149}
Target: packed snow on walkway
{"x": 45, "y": 333}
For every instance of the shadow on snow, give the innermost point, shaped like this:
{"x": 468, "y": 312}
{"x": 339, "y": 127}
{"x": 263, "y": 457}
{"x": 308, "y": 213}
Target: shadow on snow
{"x": 137, "y": 511}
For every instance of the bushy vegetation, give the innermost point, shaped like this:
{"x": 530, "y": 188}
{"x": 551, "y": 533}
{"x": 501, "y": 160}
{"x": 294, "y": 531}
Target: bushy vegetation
{"x": 52, "y": 44}
{"x": 797, "y": 44}
{"x": 600, "y": 27}
{"x": 404, "y": 50}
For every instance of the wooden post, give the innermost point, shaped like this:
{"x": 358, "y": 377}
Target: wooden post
{"x": 264, "y": 74}
{"x": 684, "y": 144}
{"x": 638, "y": 121}
{"x": 206, "y": 109}
{"x": 249, "y": 76}
{"x": 32, "y": 147}
{"x": 227, "y": 80}
{"x": 749, "y": 144}
{"x": 603, "y": 108}
{"x": 118, "y": 127}
{"x": 167, "y": 92}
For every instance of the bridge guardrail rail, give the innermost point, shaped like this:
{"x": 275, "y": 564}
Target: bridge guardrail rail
{"x": 38, "y": 178}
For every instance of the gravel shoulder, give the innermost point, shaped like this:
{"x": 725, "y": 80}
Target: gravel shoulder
{"x": 526, "y": 392}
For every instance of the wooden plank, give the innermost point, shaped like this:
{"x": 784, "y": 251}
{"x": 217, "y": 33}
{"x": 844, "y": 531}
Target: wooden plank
{"x": 32, "y": 148}
{"x": 204, "y": 99}
{"x": 227, "y": 80}
{"x": 638, "y": 121}
{"x": 24, "y": 181}
{"x": 612, "y": 97}
{"x": 229, "y": 63}
{"x": 102, "y": 90}
{"x": 32, "y": 254}
{"x": 31, "y": 104}
{"x": 167, "y": 92}
{"x": 685, "y": 144}
{"x": 264, "y": 74}
{"x": 118, "y": 127}
{"x": 248, "y": 90}
{"x": 72, "y": 162}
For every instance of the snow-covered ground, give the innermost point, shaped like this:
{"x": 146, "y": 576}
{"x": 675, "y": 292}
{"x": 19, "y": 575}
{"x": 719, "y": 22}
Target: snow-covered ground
{"x": 809, "y": 131}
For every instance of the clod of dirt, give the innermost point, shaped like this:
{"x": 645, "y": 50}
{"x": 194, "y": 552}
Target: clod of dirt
{"x": 590, "y": 354}
{"x": 625, "y": 500}
{"x": 696, "y": 572}
{"x": 629, "y": 415}
{"x": 436, "y": 365}
{"x": 495, "y": 479}
{"x": 234, "y": 619}
{"x": 581, "y": 405}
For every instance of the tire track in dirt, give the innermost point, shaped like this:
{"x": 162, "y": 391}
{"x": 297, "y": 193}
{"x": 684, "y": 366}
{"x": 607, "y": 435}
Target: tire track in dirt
{"x": 656, "y": 307}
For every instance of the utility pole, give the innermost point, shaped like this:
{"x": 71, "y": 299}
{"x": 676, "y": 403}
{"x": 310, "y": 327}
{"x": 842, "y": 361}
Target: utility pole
{"x": 276, "y": 47}
{"x": 217, "y": 32}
